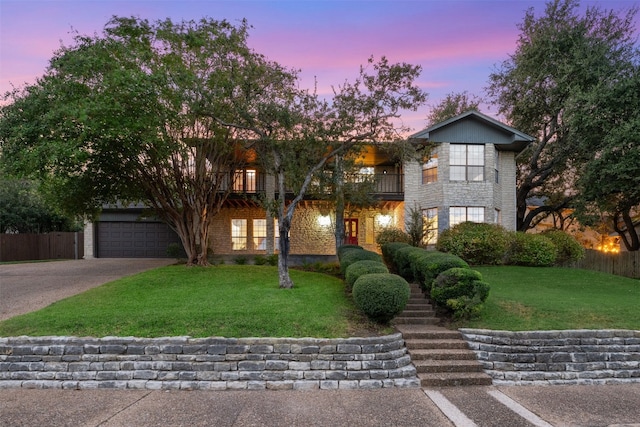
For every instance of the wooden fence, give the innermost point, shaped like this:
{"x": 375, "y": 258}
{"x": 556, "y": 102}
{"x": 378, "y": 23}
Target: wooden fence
{"x": 26, "y": 247}
{"x": 622, "y": 264}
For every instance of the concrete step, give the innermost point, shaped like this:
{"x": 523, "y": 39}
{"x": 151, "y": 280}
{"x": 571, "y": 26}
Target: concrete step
{"x": 442, "y": 354}
{"x": 449, "y": 379}
{"x": 418, "y": 344}
{"x": 410, "y": 332}
{"x": 433, "y": 366}
{"x": 400, "y": 320}
{"x": 417, "y": 313}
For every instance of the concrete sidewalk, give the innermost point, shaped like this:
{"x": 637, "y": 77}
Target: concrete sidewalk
{"x": 615, "y": 405}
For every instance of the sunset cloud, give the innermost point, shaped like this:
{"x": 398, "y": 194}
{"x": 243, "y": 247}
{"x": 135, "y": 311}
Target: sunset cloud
{"x": 457, "y": 42}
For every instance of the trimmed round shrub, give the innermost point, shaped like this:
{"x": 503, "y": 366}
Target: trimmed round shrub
{"x": 460, "y": 290}
{"x": 360, "y": 268}
{"x": 389, "y": 253}
{"x": 346, "y": 248}
{"x": 355, "y": 255}
{"x": 531, "y": 250}
{"x": 381, "y": 296}
{"x": 431, "y": 263}
{"x": 391, "y": 234}
{"x": 569, "y": 249}
{"x": 404, "y": 259}
{"x": 476, "y": 243}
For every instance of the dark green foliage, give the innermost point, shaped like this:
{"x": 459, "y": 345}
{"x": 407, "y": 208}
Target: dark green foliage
{"x": 381, "y": 296}
{"x": 240, "y": 260}
{"x": 460, "y": 290}
{"x": 476, "y": 243}
{"x": 23, "y": 209}
{"x": 359, "y": 268}
{"x": 355, "y": 255}
{"x": 404, "y": 259}
{"x": 175, "y": 250}
{"x": 431, "y": 263}
{"x": 389, "y": 253}
{"x": 531, "y": 250}
{"x": 346, "y": 248}
{"x": 391, "y": 234}
{"x": 569, "y": 249}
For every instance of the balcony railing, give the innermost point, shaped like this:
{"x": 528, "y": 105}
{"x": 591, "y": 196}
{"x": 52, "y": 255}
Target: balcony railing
{"x": 384, "y": 185}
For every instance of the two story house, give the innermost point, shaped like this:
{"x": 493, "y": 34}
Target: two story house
{"x": 470, "y": 176}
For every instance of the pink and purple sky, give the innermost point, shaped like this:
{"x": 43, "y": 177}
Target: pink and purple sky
{"x": 458, "y": 43}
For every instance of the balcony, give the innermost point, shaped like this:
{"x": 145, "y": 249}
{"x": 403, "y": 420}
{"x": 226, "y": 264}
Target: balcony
{"x": 385, "y": 186}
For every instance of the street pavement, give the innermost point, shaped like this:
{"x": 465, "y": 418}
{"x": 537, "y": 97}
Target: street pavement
{"x": 514, "y": 406}
{"x": 26, "y": 287}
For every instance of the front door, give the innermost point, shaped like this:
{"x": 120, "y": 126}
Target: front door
{"x": 351, "y": 231}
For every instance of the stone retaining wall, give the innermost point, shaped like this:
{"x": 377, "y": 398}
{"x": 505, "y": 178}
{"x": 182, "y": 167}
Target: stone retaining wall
{"x": 557, "y": 357}
{"x": 205, "y": 363}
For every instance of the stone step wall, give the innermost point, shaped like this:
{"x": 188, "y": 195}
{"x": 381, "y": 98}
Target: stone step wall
{"x": 557, "y": 357}
{"x": 205, "y": 363}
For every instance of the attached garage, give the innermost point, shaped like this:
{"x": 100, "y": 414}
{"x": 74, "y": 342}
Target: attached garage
{"x": 134, "y": 239}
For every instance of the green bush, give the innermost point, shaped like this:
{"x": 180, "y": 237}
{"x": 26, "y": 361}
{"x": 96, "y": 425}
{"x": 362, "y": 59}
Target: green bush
{"x": 390, "y": 235}
{"x": 259, "y": 260}
{"x": 476, "y": 243}
{"x": 460, "y": 290}
{"x": 360, "y": 268}
{"x": 569, "y": 249}
{"x": 389, "y": 253}
{"x": 346, "y": 248}
{"x": 355, "y": 255}
{"x": 381, "y": 296}
{"x": 431, "y": 263}
{"x": 404, "y": 259}
{"x": 532, "y": 250}
{"x": 240, "y": 260}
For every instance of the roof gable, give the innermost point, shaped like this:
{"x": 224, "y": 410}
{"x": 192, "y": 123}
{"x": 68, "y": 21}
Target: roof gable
{"x": 473, "y": 127}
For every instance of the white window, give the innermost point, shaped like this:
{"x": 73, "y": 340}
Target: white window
{"x": 466, "y": 162}
{"x": 260, "y": 234}
{"x": 430, "y": 170}
{"x": 239, "y": 234}
{"x": 458, "y": 214}
{"x": 431, "y": 222}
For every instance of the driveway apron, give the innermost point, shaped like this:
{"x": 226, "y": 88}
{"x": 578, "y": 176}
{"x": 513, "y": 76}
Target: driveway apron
{"x": 26, "y": 287}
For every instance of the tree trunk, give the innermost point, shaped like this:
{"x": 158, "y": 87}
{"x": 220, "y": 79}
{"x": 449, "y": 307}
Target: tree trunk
{"x": 629, "y": 235}
{"x": 284, "y": 225}
{"x": 338, "y": 179}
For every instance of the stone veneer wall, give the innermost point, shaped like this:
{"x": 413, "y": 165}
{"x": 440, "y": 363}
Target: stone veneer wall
{"x": 205, "y": 363}
{"x": 557, "y": 357}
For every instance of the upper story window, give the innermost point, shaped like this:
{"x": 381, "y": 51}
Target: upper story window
{"x": 466, "y": 162}
{"x": 245, "y": 180}
{"x": 496, "y": 162}
{"x": 430, "y": 170}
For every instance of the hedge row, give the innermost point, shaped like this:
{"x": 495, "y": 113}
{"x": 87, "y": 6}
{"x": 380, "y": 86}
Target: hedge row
{"x": 380, "y": 295}
{"x": 447, "y": 278}
{"x": 490, "y": 244}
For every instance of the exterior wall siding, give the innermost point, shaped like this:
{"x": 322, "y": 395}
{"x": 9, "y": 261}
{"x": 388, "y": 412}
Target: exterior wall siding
{"x": 444, "y": 194}
{"x": 308, "y": 236}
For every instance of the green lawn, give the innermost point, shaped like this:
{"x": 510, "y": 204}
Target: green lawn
{"x": 228, "y": 300}
{"x": 527, "y": 298}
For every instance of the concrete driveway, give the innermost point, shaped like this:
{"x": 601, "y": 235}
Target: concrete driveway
{"x": 27, "y": 287}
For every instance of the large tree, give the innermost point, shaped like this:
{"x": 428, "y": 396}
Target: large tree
{"x": 559, "y": 55}
{"x": 453, "y": 104}
{"x": 610, "y": 183}
{"x": 141, "y": 113}
{"x": 365, "y": 111}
